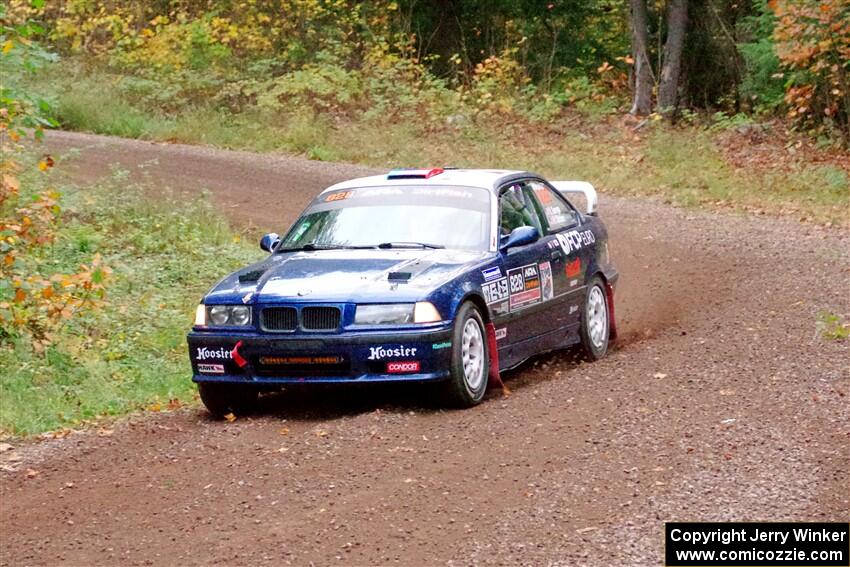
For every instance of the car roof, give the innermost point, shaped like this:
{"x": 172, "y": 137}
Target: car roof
{"x": 491, "y": 179}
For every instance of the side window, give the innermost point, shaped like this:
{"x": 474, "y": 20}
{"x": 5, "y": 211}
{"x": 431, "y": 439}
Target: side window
{"x": 559, "y": 215}
{"x": 516, "y": 209}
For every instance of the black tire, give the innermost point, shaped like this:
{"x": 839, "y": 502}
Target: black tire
{"x": 594, "y": 341}
{"x": 222, "y": 399}
{"x": 466, "y": 389}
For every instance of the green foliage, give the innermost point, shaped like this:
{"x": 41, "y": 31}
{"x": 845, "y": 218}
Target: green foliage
{"x": 832, "y": 327}
{"x": 763, "y": 84}
{"x": 21, "y": 56}
{"x": 130, "y": 352}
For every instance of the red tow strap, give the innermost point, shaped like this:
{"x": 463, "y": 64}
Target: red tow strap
{"x": 237, "y": 358}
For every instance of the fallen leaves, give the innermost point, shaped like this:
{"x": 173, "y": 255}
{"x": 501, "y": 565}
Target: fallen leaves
{"x": 32, "y": 473}
{"x": 230, "y": 417}
{"x": 5, "y": 447}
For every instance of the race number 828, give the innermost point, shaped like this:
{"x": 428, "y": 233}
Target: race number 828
{"x": 517, "y": 283}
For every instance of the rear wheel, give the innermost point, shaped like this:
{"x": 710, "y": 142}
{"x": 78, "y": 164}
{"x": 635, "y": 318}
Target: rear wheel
{"x": 470, "y": 361}
{"x": 222, "y": 399}
{"x": 595, "y": 322}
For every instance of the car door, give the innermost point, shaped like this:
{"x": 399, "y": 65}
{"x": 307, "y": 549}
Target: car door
{"x": 529, "y": 276}
{"x": 568, "y": 253}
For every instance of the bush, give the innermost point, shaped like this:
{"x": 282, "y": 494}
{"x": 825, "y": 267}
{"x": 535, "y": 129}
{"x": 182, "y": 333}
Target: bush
{"x": 813, "y": 42}
{"x": 130, "y": 352}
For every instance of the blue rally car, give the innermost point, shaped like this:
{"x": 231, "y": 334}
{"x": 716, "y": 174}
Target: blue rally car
{"x": 433, "y": 275}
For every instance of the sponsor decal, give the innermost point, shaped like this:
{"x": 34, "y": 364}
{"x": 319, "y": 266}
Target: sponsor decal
{"x": 378, "y": 192}
{"x": 555, "y": 216}
{"x": 247, "y": 297}
{"x": 205, "y": 353}
{"x": 573, "y": 283}
{"x": 542, "y": 194}
{"x": 443, "y": 192}
{"x": 573, "y": 309}
{"x": 491, "y": 274}
{"x": 573, "y": 268}
{"x": 575, "y": 240}
{"x": 524, "y": 285}
{"x": 403, "y": 367}
{"x": 501, "y": 333}
{"x": 211, "y": 368}
{"x": 283, "y": 360}
{"x": 439, "y": 346}
{"x": 496, "y": 295}
{"x": 338, "y": 196}
{"x": 546, "y": 281}
{"x": 381, "y": 352}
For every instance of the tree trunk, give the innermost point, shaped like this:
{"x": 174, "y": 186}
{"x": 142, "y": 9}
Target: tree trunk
{"x": 642, "y": 103}
{"x": 677, "y": 24}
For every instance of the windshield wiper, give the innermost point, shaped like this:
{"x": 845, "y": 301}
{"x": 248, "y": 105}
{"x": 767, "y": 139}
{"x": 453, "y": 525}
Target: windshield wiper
{"x": 309, "y": 247}
{"x": 409, "y": 245}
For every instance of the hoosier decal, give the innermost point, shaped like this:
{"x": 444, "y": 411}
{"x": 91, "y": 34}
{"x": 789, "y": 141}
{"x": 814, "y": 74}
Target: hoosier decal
{"x": 204, "y": 353}
{"x": 524, "y": 286}
{"x": 381, "y": 352}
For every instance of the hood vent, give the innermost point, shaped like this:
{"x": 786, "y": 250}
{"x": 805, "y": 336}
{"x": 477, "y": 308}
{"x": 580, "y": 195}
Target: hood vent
{"x": 252, "y": 276}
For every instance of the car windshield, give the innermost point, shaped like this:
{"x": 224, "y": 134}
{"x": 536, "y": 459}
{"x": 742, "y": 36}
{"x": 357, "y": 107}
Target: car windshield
{"x": 394, "y": 217}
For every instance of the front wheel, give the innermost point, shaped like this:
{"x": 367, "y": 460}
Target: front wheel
{"x": 222, "y": 399}
{"x": 470, "y": 360}
{"x": 595, "y": 321}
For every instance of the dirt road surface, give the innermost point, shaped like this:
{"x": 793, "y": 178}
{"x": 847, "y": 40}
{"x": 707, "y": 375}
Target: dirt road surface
{"x": 720, "y": 402}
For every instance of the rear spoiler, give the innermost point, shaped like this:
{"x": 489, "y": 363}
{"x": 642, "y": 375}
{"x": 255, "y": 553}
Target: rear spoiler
{"x": 582, "y": 187}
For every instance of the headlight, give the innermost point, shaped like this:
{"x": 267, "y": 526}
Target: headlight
{"x": 389, "y": 314}
{"x": 219, "y": 314}
{"x": 229, "y": 315}
{"x": 396, "y": 314}
{"x": 240, "y": 315}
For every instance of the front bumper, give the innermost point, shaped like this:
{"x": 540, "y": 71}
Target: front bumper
{"x": 364, "y": 356}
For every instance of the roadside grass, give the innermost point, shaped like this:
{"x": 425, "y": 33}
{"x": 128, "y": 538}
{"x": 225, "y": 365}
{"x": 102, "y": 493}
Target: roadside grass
{"x": 130, "y": 353}
{"x": 832, "y": 327}
{"x": 682, "y": 165}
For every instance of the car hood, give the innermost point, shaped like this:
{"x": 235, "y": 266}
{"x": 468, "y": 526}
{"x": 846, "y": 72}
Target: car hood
{"x": 344, "y": 276}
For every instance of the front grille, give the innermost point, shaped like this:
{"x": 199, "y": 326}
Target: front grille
{"x": 280, "y": 319}
{"x": 320, "y": 318}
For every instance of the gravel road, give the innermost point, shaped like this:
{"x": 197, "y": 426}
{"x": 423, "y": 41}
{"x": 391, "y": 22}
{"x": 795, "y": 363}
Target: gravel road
{"x": 721, "y": 401}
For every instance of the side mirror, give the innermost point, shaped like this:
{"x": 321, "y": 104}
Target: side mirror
{"x": 269, "y": 241}
{"x": 520, "y": 236}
